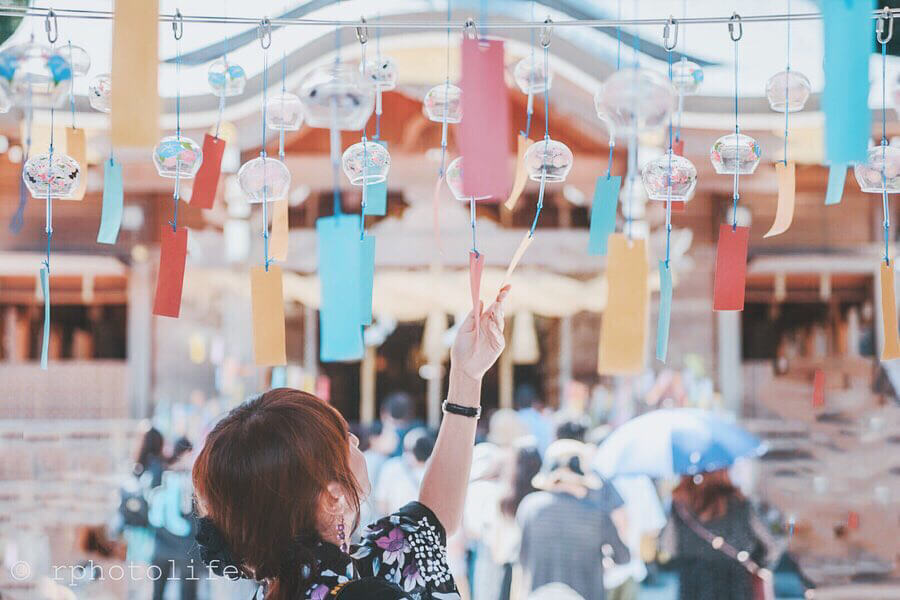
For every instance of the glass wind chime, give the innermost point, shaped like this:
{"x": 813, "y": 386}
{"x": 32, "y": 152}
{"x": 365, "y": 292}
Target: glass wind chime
{"x": 264, "y": 179}
{"x": 670, "y": 178}
{"x": 40, "y": 76}
{"x": 366, "y": 163}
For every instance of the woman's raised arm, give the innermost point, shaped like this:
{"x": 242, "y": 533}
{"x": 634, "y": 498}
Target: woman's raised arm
{"x": 478, "y": 344}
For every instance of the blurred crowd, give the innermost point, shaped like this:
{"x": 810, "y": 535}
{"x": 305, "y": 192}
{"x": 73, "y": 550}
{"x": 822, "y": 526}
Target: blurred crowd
{"x": 540, "y": 521}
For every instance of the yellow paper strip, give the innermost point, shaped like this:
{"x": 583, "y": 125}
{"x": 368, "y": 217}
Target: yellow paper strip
{"x": 278, "y": 241}
{"x": 76, "y": 147}
{"x": 517, "y": 256}
{"x": 521, "y": 176}
{"x": 135, "y": 59}
{"x": 891, "y": 347}
{"x": 267, "y": 301}
{"x": 784, "y": 213}
{"x": 623, "y": 333}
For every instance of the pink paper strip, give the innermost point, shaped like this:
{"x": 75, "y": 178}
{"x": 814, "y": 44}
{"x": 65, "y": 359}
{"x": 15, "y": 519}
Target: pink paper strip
{"x": 484, "y": 132}
{"x": 476, "y": 267}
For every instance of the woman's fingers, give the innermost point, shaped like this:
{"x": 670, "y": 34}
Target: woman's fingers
{"x": 468, "y": 323}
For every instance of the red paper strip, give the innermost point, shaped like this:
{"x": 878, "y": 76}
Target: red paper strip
{"x": 207, "y": 179}
{"x": 678, "y": 147}
{"x": 484, "y": 133}
{"x": 170, "y": 278}
{"x": 853, "y": 520}
{"x": 819, "y": 389}
{"x": 731, "y": 268}
{"x": 678, "y": 206}
{"x": 476, "y": 267}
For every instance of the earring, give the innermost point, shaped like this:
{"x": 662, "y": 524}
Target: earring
{"x": 342, "y": 536}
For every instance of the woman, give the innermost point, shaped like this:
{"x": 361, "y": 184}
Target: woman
{"x": 280, "y": 480}
{"x": 715, "y": 538}
{"x": 499, "y": 535}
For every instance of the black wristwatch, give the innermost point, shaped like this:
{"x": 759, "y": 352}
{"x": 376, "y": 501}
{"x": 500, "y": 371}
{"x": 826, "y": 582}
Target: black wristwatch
{"x": 459, "y": 409}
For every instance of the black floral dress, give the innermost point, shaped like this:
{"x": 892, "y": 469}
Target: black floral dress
{"x": 407, "y": 548}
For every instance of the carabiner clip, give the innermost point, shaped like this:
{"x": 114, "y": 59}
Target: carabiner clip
{"x": 177, "y": 25}
{"x": 362, "y": 31}
{"x": 264, "y": 33}
{"x": 735, "y": 18}
{"x": 887, "y": 15}
{"x": 52, "y": 28}
{"x": 546, "y": 32}
{"x": 671, "y": 25}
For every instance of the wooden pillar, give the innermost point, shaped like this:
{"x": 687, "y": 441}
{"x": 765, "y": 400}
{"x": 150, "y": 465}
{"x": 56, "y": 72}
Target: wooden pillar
{"x": 367, "y": 375}
{"x": 140, "y": 342}
{"x": 310, "y": 341}
{"x": 433, "y": 388}
{"x": 9, "y": 334}
{"x": 505, "y": 374}
{"x": 566, "y": 368}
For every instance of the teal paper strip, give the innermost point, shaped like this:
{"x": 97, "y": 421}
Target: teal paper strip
{"x": 366, "y": 278}
{"x": 376, "y": 195}
{"x": 111, "y": 213}
{"x": 45, "y": 289}
{"x": 338, "y": 247}
{"x": 603, "y": 213}
{"x": 665, "y": 311}
{"x": 836, "y": 176}
{"x": 848, "y": 43}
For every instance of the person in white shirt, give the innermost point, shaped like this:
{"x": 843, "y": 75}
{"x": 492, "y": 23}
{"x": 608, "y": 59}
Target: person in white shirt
{"x": 401, "y": 477}
{"x": 645, "y": 520}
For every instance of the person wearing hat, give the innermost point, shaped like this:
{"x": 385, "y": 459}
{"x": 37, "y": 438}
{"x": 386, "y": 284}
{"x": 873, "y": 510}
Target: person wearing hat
{"x": 568, "y": 534}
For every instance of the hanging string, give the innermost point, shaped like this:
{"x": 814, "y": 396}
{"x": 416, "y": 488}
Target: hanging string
{"x": 175, "y": 194}
{"x": 283, "y": 92}
{"x": 632, "y": 142}
{"x": 446, "y": 100}
{"x": 225, "y": 61}
{"x": 669, "y": 176}
{"x": 365, "y": 168}
{"x": 787, "y": 85}
{"x": 377, "y": 88}
{"x": 530, "y": 108}
{"x": 683, "y": 62}
{"x": 262, "y": 154}
{"x": 612, "y": 137}
{"x": 72, "y": 87}
{"x": 474, "y": 228}
{"x": 335, "y": 133}
{"x": 885, "y": 207}
{"x": 48, "y": 226}
{"x": 737, "y": 133}
{"x": 540, "y": 202}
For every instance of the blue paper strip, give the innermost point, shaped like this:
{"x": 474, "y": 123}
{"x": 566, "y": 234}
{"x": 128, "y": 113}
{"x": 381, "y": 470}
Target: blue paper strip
{"x": 848, "y": 45}
{"x": 376, "y": 195}
{"x": 836, "y": 176}
{"x": 45, "y": 289}
{"x": 111, "y": 213}
{"x": 338, "y": 247}
{"x": 603, "y": 213}
{"x": 366, "y": 278}
{"x": 665, "y": 311}
{"x": 279, "y": 377}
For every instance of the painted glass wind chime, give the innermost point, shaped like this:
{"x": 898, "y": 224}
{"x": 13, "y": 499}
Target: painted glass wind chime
{"x": 176, "y": 157}
{"x": 40, "y": 76}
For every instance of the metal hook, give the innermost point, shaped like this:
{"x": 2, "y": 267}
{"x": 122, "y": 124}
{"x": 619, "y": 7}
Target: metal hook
{"x": 546, "y": 32}
{"x": 52, "y": 29}
{"x": 177, "y": 25}
{"x": 887, "y": 15}
{"x": 469, "y": 29}
{"x": 671, "y": 24}
{"x": 264, "y": 33}
{"x": 362, "y": 32}
{"x": 735, "y": 18}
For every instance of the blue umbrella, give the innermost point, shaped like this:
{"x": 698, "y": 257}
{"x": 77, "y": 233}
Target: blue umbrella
{"x": 669, "y": 442}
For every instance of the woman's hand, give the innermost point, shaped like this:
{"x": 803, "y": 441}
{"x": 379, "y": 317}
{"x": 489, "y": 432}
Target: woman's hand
{"x": 479, "y": 340}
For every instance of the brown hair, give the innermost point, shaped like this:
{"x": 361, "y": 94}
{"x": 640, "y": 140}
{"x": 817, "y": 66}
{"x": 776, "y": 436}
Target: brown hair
{"x": 260, "y": 478}
{"x": 706, "y": 495}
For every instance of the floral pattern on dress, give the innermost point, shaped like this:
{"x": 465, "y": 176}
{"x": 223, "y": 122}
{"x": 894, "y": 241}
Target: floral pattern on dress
{"x": 407, "y": 548}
